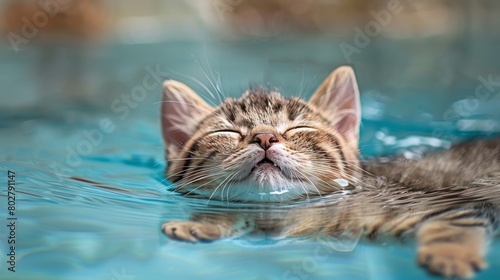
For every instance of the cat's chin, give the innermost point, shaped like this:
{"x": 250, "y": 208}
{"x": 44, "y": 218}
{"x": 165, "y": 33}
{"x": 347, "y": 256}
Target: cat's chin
{"x": 265, "y": 165}
{"x": 266, "y": 172}
{"x": 266, "y": 182}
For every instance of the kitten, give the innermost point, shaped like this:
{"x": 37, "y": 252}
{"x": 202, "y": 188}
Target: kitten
{"x": 263, "y": 147}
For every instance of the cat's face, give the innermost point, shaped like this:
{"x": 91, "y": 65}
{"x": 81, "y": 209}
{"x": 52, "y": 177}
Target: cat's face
{"x": 262, "y": 146}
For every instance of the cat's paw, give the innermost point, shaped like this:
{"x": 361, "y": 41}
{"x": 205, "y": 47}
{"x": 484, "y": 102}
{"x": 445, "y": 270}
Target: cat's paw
{"x": 451, "y": 260}
{"x": 191, "y": 231}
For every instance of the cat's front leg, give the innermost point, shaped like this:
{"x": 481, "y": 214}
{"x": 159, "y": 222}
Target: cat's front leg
{"x": 191, "y": 231}
{"x": 452, "y": 249}
{"x": 208, "y": 227}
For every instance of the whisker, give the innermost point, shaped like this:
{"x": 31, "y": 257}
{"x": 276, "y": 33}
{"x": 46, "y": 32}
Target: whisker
{"x": 196, "y": 169}
{"x": 213, "y": 193}
{"x": 198, "y": 82}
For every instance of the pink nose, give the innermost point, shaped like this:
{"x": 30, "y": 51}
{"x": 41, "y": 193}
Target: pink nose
{"x": 265, "y": 139}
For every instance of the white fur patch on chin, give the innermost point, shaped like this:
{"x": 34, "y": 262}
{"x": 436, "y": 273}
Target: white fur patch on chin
{"x": 264, "y": 185}
{"x": 267, "y": 176}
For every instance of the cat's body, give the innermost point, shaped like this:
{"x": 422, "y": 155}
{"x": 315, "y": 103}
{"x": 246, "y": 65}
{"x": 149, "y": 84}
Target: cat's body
{"x": 263, "y": 146}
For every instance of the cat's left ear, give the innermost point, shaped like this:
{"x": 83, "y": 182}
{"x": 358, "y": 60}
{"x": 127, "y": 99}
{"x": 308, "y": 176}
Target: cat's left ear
{"x": 338, "y": 99}
{"x": 181, "y": 111}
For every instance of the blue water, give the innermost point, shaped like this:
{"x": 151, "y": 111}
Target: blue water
{"x": 73, "y": 229}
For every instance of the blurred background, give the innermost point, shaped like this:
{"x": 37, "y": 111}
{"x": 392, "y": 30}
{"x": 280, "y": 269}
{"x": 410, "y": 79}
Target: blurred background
{"x": 426, "y": 60}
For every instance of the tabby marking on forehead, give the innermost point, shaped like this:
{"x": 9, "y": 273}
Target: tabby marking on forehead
{"x": 262, "y": 108}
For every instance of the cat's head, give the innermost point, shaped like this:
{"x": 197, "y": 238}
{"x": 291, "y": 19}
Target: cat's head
{"x": 263, "y": 146}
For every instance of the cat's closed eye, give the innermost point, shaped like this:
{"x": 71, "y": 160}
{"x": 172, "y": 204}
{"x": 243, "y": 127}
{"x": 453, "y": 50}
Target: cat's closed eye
{"x": 297, "y": 129}
{"x": 230, "y": 132}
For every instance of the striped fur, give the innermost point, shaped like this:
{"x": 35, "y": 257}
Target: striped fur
{"x": 449, "y": 200}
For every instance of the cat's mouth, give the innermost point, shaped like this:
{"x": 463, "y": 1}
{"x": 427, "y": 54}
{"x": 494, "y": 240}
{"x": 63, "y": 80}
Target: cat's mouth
{"x": 265, "y": 163}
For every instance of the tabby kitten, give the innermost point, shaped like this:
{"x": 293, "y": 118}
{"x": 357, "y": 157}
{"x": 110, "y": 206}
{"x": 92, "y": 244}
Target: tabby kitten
{"x": 263, "y": 147}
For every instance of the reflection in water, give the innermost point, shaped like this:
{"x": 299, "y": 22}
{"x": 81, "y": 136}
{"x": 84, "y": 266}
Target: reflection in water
{"x": 344, "y": 217}
{"x": 451, "y": 228}
{"x": 451, "y": 206}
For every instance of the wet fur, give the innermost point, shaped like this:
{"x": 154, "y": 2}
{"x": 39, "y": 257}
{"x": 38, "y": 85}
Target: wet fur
{"x": 448, "y": 200}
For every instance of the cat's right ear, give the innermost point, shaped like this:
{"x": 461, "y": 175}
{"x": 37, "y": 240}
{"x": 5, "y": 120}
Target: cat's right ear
{"x": 338, "y": 99}
{"x": 181, "y": 111}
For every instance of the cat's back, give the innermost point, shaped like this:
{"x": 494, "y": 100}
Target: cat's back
{"x": 463, "y": 163}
